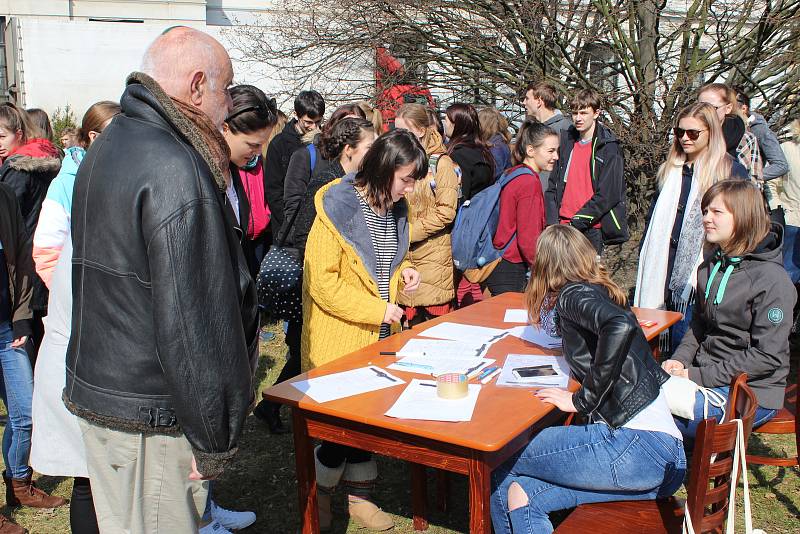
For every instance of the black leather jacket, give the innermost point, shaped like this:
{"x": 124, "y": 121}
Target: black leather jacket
{"x": 165, "y": 318}
{"x": 608, "y": 354}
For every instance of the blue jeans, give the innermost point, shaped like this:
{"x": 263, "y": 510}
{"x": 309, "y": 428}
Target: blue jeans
{"x": 16, "y": 388}
{"x": 689, "y": 428}
{"x": 791, "y": 252}
{"x": 563, "y": 467}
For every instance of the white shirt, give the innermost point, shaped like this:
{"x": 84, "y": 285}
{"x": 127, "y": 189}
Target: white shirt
{"x": 655, "y": 417}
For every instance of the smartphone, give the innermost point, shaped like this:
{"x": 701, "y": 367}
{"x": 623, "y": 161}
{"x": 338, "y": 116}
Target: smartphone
{"x": 522, "y": 373}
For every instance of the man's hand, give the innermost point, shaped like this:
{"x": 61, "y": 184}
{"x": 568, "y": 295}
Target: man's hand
{"x": 560, "y": 398}
{"x": 393, "y": 313}
{"x": 195, "y": 474}
{"x": 19, "y": 342}
{"x": 672, "y": 366}
{"x": 411, "y": 279}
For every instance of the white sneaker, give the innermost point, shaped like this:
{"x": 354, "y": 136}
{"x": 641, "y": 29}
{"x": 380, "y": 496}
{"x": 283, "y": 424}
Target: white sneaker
{"x": 215, "y": 527}
{"x": 230, "y": 519}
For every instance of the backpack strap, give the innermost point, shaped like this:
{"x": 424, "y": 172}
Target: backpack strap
{"x": 433, "y": 161}
{"x": 312, "y": 152}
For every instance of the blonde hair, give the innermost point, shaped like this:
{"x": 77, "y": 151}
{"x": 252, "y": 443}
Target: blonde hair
{"x": 713, "y": 164}
{"x": 422, "y": 198}
{"x": 492, "y": 123}
{"x": 372, "y": 115}
{"x": 564, "y": 255}
{"x": 278, "y": 128}
{"x": 794, "y": 130}
{"x": 750, "y": 217}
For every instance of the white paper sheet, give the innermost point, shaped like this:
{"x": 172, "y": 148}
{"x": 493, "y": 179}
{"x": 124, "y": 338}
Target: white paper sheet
{"x": 419, "y": 401}
{"x": 516, "y": 316}
{"x": 339, "y": 385}
{"x": 464, "y": 332}
{"x": 514, "y": 361}
{"x": 438, "y": 366}
{"x": 536, "y": 335}
{"x": 443, "y": 348}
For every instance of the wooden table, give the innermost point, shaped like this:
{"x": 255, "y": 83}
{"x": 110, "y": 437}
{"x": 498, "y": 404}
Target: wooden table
{"x": 504, "y": 420}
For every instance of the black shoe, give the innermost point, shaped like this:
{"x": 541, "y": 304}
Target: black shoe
{"x": 270, "y": 413}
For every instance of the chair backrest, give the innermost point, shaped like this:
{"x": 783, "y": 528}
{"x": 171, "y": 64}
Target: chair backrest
{"x": 712, "y": 461}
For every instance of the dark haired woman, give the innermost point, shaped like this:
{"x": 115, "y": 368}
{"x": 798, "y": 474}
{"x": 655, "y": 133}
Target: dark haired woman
{"x": 354, "y": 268}
{"x": 522, "y": 216}
{"x": 630, "y": 448}
{"x": 743, "y": 305}
{"x": 344, "y": 146}
{"x": 476, "y": 166}
{"x": 246, "y": 130}
{"x": 301, "y": 167}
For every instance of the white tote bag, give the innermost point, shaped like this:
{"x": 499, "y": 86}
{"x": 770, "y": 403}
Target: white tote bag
{"x": 681, "y": 394}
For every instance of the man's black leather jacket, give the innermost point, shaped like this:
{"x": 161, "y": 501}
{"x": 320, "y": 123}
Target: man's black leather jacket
{"x": 608, "y": 354}
{"x": 165, "y": 317}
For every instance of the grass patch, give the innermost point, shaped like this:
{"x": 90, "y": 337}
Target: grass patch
{"x": 262, "y": 479}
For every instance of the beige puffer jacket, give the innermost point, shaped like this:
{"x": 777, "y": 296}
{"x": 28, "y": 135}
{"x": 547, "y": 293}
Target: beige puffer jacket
{"x": 432, "y": 208}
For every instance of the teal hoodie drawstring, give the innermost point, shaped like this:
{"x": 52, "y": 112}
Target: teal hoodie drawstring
{"x": 725, "y": 277}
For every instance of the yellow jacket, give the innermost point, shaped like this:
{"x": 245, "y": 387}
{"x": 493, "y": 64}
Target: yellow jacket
{"x": 342, "y": 307}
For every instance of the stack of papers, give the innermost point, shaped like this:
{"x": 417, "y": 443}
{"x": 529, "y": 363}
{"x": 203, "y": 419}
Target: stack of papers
{"x": 536, "y": 335}
{"x": 465, "y": 332}
{"x": 516, "y": 361}
{"x": 419, "y": 401}
{"x": 443, "y": 348}
{"x": 355, "y": 382}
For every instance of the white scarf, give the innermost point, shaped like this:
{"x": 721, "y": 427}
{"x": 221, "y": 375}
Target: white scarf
{"x": 651, "y": 278}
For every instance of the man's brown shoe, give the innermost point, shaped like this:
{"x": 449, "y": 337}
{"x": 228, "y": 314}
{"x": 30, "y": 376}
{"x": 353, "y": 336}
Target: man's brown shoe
{"x": 9, "y": 527}
{"x": 23, "y": 492}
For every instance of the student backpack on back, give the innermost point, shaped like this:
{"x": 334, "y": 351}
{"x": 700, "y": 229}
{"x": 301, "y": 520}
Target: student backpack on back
{"x": 474, "y": 253}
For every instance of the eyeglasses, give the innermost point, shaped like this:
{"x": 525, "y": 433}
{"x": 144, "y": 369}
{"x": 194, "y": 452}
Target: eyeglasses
{"x": 691, "y": 134}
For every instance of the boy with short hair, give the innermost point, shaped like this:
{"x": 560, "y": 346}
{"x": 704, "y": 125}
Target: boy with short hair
{"x": 309, "y": 108}
{"x": 587, "y": 187}
{"x": 540, "y": 103}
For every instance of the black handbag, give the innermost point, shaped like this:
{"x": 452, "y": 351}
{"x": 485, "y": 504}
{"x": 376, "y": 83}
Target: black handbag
{"x": 280, "y": 281}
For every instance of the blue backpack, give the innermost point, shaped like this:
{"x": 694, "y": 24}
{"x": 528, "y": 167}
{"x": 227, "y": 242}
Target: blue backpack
{"x": 476, "y": 224}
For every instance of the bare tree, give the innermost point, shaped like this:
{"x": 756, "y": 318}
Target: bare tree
{"x": 647, "y": 56}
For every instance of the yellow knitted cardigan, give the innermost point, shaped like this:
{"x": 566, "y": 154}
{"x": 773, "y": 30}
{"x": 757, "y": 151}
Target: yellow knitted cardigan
{"x": 342, "y": 307}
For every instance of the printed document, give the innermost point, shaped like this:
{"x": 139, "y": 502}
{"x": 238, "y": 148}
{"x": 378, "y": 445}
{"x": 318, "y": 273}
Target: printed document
{"x": 443, "y": 348}
{"x": 436, "y": 366}
{"x": 518, "y": 361}
{"x": 355, "y": 382}
{"x": 536, "y": 335}
{"x": 516, "y": 316}
{"x": 419, "y": 401}
{"x": 465, "y": 332}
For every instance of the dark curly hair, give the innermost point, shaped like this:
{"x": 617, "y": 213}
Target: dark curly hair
{"x": 345, "y": 132}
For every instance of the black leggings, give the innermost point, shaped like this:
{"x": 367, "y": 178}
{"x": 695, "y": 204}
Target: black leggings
{"x": 507, "y": 277}
{"x": 333, "y": 455}
{"x": 82, "y": 518}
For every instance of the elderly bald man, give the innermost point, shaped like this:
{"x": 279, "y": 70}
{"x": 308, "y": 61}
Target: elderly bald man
{"x": 164, "y": 332}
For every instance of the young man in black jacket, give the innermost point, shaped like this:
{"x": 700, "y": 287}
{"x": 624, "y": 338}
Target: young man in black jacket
{"x": 309, "y": 108}
{"x": 587, "y": 186}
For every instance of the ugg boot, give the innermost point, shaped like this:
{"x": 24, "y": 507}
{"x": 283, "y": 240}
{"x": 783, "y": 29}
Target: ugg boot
{"x": 359, "y": 481}
{"x": 23, "y": 492}
{"x": 327, "y": 480}
{"x": 9, "y": 527}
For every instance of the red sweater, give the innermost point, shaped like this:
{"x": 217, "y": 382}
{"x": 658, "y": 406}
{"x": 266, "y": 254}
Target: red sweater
{"x": 521, "y": 211}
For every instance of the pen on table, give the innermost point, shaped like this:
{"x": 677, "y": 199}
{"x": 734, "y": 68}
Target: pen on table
{"x": 487, "y": 371}
{"x": 395, "y": 353}
{"x": 414, "y": 365}
{"x": 488, "y": 378}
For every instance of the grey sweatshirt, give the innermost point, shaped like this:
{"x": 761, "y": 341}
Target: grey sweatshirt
{"x": 775, "y": 164}
{"x": 557, "y": 122}
{"x": 743, "y": 324}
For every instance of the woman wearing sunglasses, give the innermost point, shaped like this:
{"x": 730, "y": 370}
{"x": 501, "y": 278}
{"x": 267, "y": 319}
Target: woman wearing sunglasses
{"x": 672, "y": 248}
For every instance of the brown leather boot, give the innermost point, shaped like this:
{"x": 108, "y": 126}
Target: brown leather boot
{"x": 9, "y": 527}
{"x": 23, "y": 492}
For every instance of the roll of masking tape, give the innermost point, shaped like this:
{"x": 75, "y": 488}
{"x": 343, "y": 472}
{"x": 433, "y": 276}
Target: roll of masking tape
{"x": 452, "y": 386}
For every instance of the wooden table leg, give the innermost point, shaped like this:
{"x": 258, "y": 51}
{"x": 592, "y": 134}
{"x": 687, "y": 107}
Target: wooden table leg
{"x": 419, "y": 496}
{"x": 442, "y": 490}
{"x": 480, "y": 521}
{"x": 306, "y": 476}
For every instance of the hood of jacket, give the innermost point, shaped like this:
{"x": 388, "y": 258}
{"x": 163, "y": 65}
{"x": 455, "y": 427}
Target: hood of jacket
{"x": 756, "y": 119}
{"x": 338, "y": 208}
{"x": 558, "y": 122}
{"x": 291, "y": 130}
{"x": 602, "y": 136}
{"x": 35, "y": 156}
{"x": 72, "y": 160}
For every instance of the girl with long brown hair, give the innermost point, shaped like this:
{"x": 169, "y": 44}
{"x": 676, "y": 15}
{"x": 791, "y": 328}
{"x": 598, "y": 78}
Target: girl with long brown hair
{"x": 630, "y": 447}
{"x": 673, "y": 244}
{"x": 433, "y": 205}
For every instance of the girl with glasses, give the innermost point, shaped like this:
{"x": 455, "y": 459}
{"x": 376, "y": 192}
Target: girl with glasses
{"x": 673, "y": 244}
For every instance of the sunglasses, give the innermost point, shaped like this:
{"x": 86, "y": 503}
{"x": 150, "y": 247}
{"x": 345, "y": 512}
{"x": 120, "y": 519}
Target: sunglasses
{"x": 691, "y": 134}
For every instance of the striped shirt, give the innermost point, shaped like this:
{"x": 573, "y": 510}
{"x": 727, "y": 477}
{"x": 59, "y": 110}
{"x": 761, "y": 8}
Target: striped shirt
{"x": 383, "y": 231}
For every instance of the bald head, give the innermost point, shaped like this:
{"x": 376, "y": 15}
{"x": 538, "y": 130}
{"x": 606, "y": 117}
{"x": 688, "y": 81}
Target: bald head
{"x": 193, "y": 67}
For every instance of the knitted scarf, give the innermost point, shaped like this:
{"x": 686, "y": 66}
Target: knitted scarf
{"x": 195, "y": 126}
{"x": 651, "y": 278}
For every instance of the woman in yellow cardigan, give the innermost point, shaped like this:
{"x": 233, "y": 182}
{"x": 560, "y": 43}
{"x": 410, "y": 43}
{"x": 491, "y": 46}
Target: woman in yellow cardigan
{"x": 354, "y": 266}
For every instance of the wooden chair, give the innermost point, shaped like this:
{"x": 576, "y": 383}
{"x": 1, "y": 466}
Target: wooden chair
{"x": 708, "y": 490}
{"x": 784, "y": 422}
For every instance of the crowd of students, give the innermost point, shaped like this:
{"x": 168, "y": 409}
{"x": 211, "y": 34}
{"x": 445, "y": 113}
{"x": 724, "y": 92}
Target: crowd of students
{"x": 370, "y": 211}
